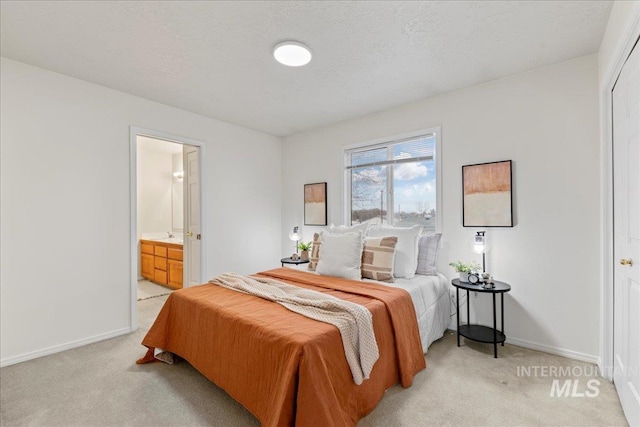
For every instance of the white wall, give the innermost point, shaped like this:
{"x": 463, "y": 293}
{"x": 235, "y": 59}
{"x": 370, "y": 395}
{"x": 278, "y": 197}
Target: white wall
{"x": 64, "y": 262}
{"x": 154, "y": 180}
{"x": 546, "y": 121}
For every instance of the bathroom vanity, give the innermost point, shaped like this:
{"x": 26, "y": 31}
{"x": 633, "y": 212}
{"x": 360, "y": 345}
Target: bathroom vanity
{"x": 161, "y": 262}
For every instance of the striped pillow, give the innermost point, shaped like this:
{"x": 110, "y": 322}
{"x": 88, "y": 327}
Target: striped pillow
{"x": 315, "y": 252}
{"x": 406, "y": 260}
{"x": 378, "y": 256}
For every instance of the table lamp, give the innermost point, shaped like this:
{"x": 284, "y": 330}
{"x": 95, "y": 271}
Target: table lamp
{"x": 295, "y": 236}
{"x": 480, "y": 247}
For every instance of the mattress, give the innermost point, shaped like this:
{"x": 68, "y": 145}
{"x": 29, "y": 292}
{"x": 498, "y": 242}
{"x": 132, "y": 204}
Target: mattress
{"x": 432, "y": 302}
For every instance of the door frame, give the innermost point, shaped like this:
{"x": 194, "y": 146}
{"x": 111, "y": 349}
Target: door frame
{"x": 605, "y": 363}
{"x": 134, "y": 132}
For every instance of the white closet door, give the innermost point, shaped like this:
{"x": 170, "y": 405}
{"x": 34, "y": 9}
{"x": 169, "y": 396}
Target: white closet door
{"x": 626, "y": 177}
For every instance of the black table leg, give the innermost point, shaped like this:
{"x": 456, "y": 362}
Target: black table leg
{"x": 468, "y": 304}
{"x": 458, "y": 313}
{"x": 495, "y": 331}
{"x": 502, "y": 314}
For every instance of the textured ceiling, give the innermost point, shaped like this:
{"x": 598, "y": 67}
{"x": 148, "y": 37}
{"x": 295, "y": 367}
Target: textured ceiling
{"x": 214, "y": 58}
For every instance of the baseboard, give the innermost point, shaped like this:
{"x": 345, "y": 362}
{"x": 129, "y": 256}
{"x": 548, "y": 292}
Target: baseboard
{"x": 554, "y": 350}
{"x": 62, "y": 347}
{"x": 605, "y": 371}
{"x": 545, "y": 348}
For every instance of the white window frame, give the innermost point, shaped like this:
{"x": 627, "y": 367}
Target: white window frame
{"x": 436, "y": 131}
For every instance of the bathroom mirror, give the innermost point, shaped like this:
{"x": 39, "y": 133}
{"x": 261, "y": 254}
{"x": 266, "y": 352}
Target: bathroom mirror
{"x": 177, "y": 208}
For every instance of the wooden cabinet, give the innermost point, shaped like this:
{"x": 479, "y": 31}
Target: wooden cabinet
{"x": 174, "y": 267}
{"x": 147, "y": 259}
{"x": 174, "y": 271}
{"x": 161, "y": 263}
{"x": 146, "y": 266}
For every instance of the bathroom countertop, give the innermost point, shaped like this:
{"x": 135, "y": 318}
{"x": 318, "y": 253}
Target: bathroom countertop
{"x": 170, "y": 240}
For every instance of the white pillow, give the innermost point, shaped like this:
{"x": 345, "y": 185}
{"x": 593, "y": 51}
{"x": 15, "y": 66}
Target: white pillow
{"x": 349, "y": 229}
{"x": 341, "y": 255}
{"x": 406, "y": 261}
{"x": 427, "y": 254}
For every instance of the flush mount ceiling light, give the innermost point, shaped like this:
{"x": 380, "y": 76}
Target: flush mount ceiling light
{"x": 292, "y": 54}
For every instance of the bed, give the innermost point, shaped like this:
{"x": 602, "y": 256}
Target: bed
{"x": 287, "y": 369}
{"x": 431, "y": 296}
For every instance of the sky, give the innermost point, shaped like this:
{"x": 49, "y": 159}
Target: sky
{"x": 414, "y": 183}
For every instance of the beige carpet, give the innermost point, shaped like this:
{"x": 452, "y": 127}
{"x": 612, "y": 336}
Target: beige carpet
{"x": 100, "y": 385}
{"x": 147, "y": 289}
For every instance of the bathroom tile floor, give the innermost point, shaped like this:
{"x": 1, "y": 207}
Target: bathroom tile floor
{"x": 147, "y": 289}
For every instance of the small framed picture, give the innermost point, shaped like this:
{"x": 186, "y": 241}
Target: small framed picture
{"x": 315, "y": 204}
{"x": 486, "y": 195}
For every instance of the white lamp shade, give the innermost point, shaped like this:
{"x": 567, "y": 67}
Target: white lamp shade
{"x": 480, "y": 244}
{"x": 294, "y": 235}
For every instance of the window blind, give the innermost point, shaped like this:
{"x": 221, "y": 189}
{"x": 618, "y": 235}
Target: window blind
{"x": 413, "y": 149}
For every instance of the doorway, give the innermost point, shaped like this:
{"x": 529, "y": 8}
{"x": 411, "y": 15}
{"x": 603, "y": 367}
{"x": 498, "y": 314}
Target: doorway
{"x": 160, "y": 207}
{"x": 166, "y": 208}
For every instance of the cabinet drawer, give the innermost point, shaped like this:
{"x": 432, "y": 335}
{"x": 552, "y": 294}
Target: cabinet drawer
{"x": 160, "y": 263}
{"x": 161, "y": 251}
{"x": 146, "y": 248}
{"x": 174, "y": 254}
{"x": 160, "y": 277}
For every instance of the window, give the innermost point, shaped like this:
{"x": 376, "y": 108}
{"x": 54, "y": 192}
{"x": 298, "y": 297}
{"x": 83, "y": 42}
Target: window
{"x": 394, "y": 182}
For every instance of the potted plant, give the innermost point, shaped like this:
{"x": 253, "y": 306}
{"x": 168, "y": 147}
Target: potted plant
{"x": 464, "y": 268}
{"x": 304, "y": 250}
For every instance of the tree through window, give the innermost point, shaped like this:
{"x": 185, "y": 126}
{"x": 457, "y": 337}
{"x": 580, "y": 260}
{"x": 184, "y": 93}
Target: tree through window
{"x": 394, "y": 183}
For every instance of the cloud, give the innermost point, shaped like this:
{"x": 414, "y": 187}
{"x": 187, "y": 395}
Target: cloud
{"x": 419, "y": 189}
{"x": 408, "y": 171}
{"x": 427, "y": 187}
{"x": 368, "y": 175}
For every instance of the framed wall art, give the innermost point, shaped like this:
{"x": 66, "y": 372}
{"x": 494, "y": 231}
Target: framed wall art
{"x": 486, "y": 195}
{"x": 315, "y": 204}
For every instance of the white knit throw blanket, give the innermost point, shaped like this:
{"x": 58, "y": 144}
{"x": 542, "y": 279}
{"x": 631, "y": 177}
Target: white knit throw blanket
{"x": 354, "y": 321}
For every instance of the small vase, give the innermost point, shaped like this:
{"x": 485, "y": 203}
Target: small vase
{"x": 464, "y": 276}
{"x": 304, "y": 255}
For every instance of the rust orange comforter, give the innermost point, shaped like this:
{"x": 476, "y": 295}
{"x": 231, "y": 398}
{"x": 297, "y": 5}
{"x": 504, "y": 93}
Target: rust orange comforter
{"x": 287, "y": 369}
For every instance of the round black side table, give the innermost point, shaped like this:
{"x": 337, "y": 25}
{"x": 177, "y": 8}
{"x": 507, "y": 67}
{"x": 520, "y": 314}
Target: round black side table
{"x": 284, "y": 261}
{"x": 482, "y": 333}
